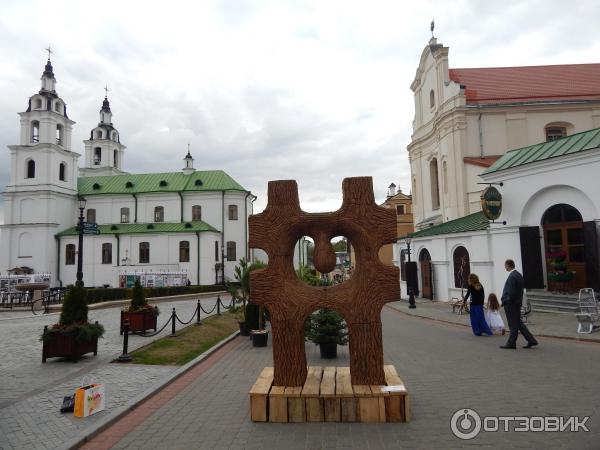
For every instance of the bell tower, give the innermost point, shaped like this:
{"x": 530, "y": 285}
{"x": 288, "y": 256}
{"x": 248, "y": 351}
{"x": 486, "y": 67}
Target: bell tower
{"x": 103, "y": 150}
{"x": 39, "y": 200}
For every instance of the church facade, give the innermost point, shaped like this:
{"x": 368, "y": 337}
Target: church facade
{"x": 192, "y": 221}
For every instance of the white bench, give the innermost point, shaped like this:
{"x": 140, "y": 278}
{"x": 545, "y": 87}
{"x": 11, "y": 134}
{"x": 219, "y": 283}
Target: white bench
{"x": 589, "y": 314}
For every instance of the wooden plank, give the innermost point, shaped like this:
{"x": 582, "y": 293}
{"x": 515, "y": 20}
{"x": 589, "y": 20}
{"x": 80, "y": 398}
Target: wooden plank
{"x": 259, "y": 395}
{"x": 396, "y": 403}
{"x": 312, "y": 385}
{"x": 332, "y": 409}
{"x": 367, "y": 404}
{"x": 380, "y": 396}
{"x": 392, "y": 379}
{"x": 348, "y": 406}
{"x": 296, "y": 410}
{"x": 278, "y": 405}
{"x": 407, "y": 414}
{"x": 343, "y": 384}
{"x": 327, "y": 388}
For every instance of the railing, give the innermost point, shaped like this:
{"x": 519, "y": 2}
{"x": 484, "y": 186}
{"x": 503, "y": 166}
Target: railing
{"x": 54, "y": 296}
{"x": 9, "y": 299}
{"x": 173, "y": 319}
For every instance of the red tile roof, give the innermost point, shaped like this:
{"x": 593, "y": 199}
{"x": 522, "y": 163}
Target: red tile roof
{"x": 483, "y": 162}
{"x": 529, "y": 83}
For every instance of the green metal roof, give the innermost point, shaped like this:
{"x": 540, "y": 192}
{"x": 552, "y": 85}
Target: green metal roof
{"x": 473, "y": 222}
{"x": 568, "y": 145}
{"x": 148, "y": 228}
{"x": 208, "y": 180}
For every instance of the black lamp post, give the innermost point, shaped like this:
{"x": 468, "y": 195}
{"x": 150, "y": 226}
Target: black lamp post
{"x": 222, "y": 264}
{"x": 82, "y": 203}
{"x": 409, "y": 278}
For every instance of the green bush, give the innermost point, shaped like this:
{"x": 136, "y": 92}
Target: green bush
{"x": 326, "y": 326}
{"x": 74, "y": 308}
{"x": 98, "y": 295}
{"x": 138, "y": 299}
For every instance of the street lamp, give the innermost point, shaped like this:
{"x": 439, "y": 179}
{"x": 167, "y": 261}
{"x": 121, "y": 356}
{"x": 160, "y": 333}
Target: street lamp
{"x": 82, "y": 203}
{"x": 222, "y": 263}
{"x": 409, "y": 277}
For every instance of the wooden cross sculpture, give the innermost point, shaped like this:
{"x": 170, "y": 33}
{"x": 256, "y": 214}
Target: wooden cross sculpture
{"x": 359, "y": 300}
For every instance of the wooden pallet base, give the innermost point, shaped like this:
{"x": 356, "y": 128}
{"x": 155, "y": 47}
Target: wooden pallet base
{"x": 329, "y": 396}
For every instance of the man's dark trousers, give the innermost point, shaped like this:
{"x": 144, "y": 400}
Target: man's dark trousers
{"x": 515, "y": 324}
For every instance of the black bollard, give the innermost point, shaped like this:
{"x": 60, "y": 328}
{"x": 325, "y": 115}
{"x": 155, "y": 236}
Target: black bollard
{"x": 125, "y": 357}
{"x": 198, "y": 322}
{"x": 218, "y": 305}
{"x": 173, "y": 314}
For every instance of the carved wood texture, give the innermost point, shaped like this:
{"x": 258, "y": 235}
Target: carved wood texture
{"x": 359, "y": 300}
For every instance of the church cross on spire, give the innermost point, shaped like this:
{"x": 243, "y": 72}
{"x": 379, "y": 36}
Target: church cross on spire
{"x": 49, "y": 50}
{"x": 105, "y": 91}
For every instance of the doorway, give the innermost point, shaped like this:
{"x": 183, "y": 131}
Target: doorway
{"x": 426, "y": 274}
{"x": 565, "y": 255}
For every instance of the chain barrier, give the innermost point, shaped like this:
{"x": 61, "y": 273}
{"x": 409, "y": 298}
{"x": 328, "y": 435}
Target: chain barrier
{"x": 124, "y": 357}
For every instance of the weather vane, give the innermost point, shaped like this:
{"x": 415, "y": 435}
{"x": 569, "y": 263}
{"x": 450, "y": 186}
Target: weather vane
{"x": 49, "y": 50}
{"x": 431, "y": 27}
{"x": 106, "y": 91}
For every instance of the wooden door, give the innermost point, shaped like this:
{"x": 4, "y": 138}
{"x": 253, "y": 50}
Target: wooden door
{"x": 426, "y": 287}
{"x": 568, "y": 237}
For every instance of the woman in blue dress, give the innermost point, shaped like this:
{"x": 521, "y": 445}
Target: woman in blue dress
{"x": 475, "y": 291}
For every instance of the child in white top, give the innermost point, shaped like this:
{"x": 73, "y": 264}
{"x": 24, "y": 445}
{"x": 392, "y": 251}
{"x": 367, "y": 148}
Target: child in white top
{"x": 492, "y": 315}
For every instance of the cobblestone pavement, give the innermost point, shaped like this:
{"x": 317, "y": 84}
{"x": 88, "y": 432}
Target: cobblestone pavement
{"x": 445, "y": 368}
{"x": 539, "y": 323}
{"x": 31, "y": 392}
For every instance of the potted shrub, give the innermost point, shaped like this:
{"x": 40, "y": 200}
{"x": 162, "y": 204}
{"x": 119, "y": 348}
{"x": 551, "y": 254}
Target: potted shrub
{"x": 559, "y": 275}
{"x": 73, "y": 336}
{"x": 140, "y": 314}
{"x": 327, "y": 329}
{"x": 240, "y": 292}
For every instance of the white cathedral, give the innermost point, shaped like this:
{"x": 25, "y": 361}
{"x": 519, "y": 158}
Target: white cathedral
{"x": 186, "y": 221}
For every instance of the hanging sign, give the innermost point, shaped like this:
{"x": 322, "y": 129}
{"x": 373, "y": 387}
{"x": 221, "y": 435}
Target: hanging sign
{"x": 491, "y": 203}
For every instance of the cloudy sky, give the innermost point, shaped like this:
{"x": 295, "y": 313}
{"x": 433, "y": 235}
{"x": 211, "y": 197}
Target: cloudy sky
{"x": 309, "y": 90}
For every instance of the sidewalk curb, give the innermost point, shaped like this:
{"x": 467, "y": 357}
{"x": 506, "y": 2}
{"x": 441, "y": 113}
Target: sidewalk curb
{"x": 550, "y": 336}
{"x": 86, "y": 435}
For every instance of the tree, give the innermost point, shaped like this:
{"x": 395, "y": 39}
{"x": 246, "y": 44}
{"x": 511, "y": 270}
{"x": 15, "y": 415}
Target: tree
{"x": 340, "y": 246}
{"x": 240, "y": 289}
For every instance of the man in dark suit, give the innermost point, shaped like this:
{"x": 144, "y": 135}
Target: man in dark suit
{"x": 512, "y": 298}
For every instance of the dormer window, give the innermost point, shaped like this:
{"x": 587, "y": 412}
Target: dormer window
{"x": 163, "y": 183}
{"x": 431, "y": 98}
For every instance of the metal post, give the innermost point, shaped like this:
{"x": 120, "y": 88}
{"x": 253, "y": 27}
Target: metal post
{"x": 173, "y": 314}
{"x": 218, "y": 305}
{"x": 125, "y": 357}
{"x": 80, "y": 250}
{"x": 198, "y": 322}
{"x": 411, "y": 295}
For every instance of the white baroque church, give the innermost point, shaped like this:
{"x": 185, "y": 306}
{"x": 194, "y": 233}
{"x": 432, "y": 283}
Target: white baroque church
{"x": 191, "y": 221}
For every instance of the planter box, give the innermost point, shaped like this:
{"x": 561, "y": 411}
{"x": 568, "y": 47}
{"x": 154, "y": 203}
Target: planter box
{"x": 244, "y": 331}
{"x": 65, "y": 346}
{"x": 139, "y": 321}
{"x": 328, "y": 350}
{"x": 259, "y": 339}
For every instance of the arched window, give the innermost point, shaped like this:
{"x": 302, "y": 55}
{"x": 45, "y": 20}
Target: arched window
{"x": 435, "y": 187}
{"x": 35, "y": 132}
{"x": 144, "y": 252}
{"x": 25, "y": 245}
{"x": 196, "y": 212}
{"x": 462, "y": 267}
{"x": 97, "y": 156}
{"x": 124, "y": 215}
{"x": 231, "y": 253}
{"x": 107, "y": 253}
{"x": 116, "y": 158}
{"x": 90, "y": 215}
{"x": 233, "y": 212}
{"x": 70, "y": 254}
{"x": 30, "y": 169}
{"x": 114, "y": 135}
{"x": 59, "y": 134}
{"x": 184, "y": 251}
{"x": 38, "y": 103}
{"x": 62, "y": 172}
{"x": 159, "y": 214}
{"x": 58, "y": 107}
{"x": 431, "y": 98}
{"x": 99, "y": 134}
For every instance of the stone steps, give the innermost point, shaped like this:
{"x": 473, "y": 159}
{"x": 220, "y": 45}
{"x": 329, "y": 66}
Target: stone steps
{"x": 542, "y": 301}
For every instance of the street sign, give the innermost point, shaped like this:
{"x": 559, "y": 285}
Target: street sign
{"x": 90, "y": 225}
{"x": 91, "y": 231}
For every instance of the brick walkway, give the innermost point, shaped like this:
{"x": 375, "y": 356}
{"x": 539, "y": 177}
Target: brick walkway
{"x": 444, "y": 366}
{"x": 31, "y": 392}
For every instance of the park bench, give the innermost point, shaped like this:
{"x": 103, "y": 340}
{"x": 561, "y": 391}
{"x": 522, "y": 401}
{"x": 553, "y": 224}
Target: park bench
{"x": 460, "y": 305}
{"x": 589, "y": 314}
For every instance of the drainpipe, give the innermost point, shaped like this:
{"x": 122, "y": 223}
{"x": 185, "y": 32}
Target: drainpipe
{"x": 118, "y": 248}
{"x": 254, "y": 197}
{"x": 246, "y": 225}
{"x": 181, "y": 197}
{"x": 58, "y": 261}
{"x": 480, "y": 133}
{"x": 198, "y": 264}
{"x": 222, "y": 235}
{"x": 135, "y": 208}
